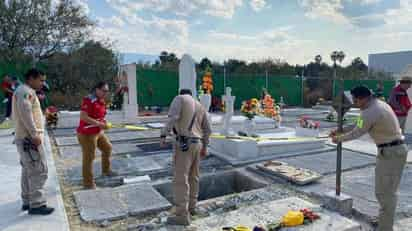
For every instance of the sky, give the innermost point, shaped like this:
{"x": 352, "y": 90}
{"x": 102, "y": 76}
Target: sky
{"x": 252, "y": 30}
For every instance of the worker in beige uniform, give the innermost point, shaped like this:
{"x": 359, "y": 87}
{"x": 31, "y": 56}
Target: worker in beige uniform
{"x": 29, "y": 138}
{"x": 378, "y": 119}
{"x": 188, "y": 120}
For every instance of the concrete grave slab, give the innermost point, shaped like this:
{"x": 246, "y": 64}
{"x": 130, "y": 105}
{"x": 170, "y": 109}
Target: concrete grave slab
{"x": 72, "y": 131}
{"x": 117, "y": 203}
{"x": 325, "y": 163}
{"x": 273, "y": 211}
{"x": 153, "y": 164}
{"x": 366, "y": 145}
{"x": 360, "y": 185}
{"x": 237, "y": 161}
{"x": 117, "y": 148}
{"x": 125, "y": 166}
{"x": 114, "y": 137}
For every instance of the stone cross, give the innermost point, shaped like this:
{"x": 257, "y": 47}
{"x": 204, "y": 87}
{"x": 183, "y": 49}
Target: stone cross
{"x": 229, "y": 102}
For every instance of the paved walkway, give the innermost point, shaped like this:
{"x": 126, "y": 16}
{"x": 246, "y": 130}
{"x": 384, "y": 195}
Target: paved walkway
{"x": 12, "y": 218}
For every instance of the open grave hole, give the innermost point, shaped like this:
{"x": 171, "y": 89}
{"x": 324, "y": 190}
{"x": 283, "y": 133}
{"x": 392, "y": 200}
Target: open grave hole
{"x": 217, "y": 185}
{"x": 154, "y": 147}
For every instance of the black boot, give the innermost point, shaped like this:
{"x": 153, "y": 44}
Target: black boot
{"x": 42, "y": 210}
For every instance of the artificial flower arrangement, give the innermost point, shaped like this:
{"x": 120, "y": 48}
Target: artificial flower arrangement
{"x": 250, "y": 108}
{"x": 207, "y": 84}
{"x": 305, "y": 122}
{"x": 270, "y": 109}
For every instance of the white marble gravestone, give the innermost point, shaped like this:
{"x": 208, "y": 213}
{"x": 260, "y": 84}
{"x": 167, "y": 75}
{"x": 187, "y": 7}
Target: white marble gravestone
{"x": 130, "y": 107}
{"x": 206, "y": 101}
{"x": 229, "y": 102}
{"x": 187, "y": 74}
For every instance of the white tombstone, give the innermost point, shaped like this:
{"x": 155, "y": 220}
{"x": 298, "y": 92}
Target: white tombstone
{"x": 229, "y": 102}
{"x": 187, "y": 74}
{"x": 206, "y": 101}
{"x": 130, "y": 107}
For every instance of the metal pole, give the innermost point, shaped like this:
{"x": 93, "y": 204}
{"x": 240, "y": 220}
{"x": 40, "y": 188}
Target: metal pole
{"x": 302, "y": 87}
{"x": 340, "y": 131}
{"x": 266, "y": 80}
{"x": 224, "y": 79}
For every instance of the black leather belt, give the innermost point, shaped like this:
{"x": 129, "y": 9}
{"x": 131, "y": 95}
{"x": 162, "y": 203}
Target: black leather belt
{"x": 193, "y": 140}
{"x": 393, "y": 143}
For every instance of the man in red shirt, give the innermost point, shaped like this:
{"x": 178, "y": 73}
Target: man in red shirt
{"x": 399, "y": 100}
{"x": 90, "y": 134}
{"x": 6, "y": 87}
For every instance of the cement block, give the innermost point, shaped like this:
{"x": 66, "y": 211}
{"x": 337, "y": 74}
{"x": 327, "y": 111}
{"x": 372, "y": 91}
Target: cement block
{"x": 341, "y": 204}
{"x": 116, "y": 203}
{"x": 272, "y": 212}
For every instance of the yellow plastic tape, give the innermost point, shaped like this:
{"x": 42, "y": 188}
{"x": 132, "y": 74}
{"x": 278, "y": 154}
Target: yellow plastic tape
{"x": 132, "y": 127}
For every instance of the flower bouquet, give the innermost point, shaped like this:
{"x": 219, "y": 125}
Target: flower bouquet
{"x": 271, "y": 110}
{"x": 307, "y": 127}
{"x": 250, "y": 108}
{"x": 305, "y": 122}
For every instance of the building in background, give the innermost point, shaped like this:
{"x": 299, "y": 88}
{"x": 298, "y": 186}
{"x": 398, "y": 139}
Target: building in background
{"x": 394, "y": 63}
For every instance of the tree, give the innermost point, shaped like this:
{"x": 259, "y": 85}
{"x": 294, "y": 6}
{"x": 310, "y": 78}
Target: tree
{"x": 234, "y": 65}
{"x": 38, "y": 29}
{"x": 204, "y": 63}
{"x": 358, "y": 64}
{"x": 72, "y": 74}
{"x": 168, "y": 61}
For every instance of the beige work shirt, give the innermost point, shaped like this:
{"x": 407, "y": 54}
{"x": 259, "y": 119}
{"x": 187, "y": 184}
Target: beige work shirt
{"x": 377, "y": 119}
{"x": 27, "y": 113}
{"x": 180, "y": 115}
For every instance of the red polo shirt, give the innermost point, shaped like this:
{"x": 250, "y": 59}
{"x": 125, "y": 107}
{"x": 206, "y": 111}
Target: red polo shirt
{"x": 4, "y": 86}
{"x": 95, "y": 109}
{"x": 399, "y": 98}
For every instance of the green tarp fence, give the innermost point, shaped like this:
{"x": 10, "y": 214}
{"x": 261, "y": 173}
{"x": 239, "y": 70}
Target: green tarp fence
{"x": 16, "y": 70}
{"x": 157, "y": 88}
{"x": 371, "y": 84}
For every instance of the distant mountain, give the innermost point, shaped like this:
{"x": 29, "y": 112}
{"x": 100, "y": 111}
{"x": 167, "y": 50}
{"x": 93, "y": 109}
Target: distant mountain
{"x": 136, "y": 58}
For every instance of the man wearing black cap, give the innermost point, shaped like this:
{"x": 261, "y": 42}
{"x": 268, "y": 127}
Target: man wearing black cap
{"x": 378, "y": 119}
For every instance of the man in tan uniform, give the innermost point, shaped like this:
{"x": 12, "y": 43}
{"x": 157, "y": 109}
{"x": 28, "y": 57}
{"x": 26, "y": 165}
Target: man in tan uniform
{"x": 29, "y": 133}
{"x": 378, "y": 119}
{"x": 188, "y": 120}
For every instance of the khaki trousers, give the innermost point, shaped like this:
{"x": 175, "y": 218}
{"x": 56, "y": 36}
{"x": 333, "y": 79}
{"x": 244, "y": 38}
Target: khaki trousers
{"x": 186, "y": 179}
{"x": 388, "y": 173}
{"x": 402, "y": 123}
{"x": 89, "y": 143}
{"x": 33, "y": 175}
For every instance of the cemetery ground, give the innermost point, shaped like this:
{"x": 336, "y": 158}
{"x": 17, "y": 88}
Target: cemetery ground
{"x": 233, "y": 190}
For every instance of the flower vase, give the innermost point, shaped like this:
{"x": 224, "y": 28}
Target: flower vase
{"x": 249, "y": 127}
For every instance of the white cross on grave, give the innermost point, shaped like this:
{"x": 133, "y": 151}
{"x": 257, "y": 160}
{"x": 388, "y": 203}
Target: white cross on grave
{"x": 229, "y": 102}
